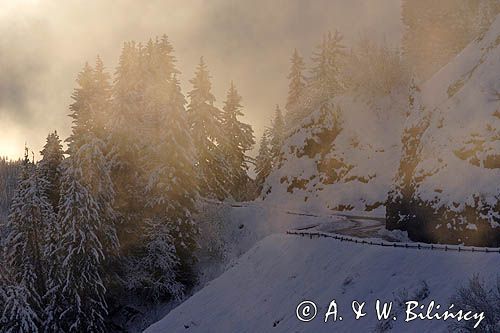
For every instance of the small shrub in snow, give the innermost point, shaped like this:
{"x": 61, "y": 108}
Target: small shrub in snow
{"x": 478, "y": 297}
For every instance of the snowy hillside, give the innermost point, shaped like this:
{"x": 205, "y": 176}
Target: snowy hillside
{"x": 347, "y": 154}
{"x": 261, "y": 291}
{"x": 457, "y": 176}
{"x": 342, "y": 157}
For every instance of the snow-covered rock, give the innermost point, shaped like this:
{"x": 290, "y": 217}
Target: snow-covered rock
{"x": 350, "y": 152}
{"x": 343, "y": 156}
{"x": 457, "y": 178}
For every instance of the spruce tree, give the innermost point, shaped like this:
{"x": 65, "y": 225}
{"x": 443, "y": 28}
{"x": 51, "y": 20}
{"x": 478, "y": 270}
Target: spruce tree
{"x": 86, "y": 216}
{"x": 53, "y": 298}
{"x": 86, "y": 140}
{"x": 296, "y": 87}
{"x": 326, "y": 80}
{"x": 263, "y": 164}
{"x": 101, "y": 99}
{"x": 205, "y": 124}
{"x": 49, "y": 168}
{"x": 31, "y": 214}
{"x": 82, "y": 253}
{"x": 277, "y": 134}
{"x": 153, "y": 274}
{"x": 238, "y": 140}
{"x": 170, "y": 183}
{"x": 125, "y": 144}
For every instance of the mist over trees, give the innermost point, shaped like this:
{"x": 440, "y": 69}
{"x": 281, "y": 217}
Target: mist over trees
{"x": 108, "y": 226}
{"x": 375, "y": 74}
{"x": 109, "y": 223}
{"x": 435, "y": 31}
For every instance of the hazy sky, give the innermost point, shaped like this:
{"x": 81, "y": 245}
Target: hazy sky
{"x": 44, "y": 43}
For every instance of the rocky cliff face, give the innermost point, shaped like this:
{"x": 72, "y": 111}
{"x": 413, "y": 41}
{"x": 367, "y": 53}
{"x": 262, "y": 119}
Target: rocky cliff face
{"x": 343, "y": 156}
{"x": 447, "y": 187}
{"x": 428, "y": 159}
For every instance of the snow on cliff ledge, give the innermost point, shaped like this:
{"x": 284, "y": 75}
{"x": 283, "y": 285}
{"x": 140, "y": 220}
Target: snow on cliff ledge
{"x": 348, "y": 159}
{"x": 342, "y": 158}
{"x": 460, "y": 159}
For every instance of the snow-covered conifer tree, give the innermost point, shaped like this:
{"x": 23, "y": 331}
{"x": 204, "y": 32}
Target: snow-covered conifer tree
{"x": 31, "y": 214}
{"x": 205, "y": 123}
{"x": 86, "y": 216}
{"x": 239, "y": 139}
{"x": 263, "y": 164}
{"x": 82, "y": 253}
{"x": 154, "y": 274}
{"x": 326, "y": 80}
{"x": 296, "y": 88}
{"x": 277, "y": 133}
{"x": 101, "y": 100}
{"x": 125, "y": 143}
{"x": 170, "y": 181}
{"x": 49, "y": 168}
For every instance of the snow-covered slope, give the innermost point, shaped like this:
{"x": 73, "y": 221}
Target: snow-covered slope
{"x": 261, "y": 291}
{"x": 461, "y": 148}
{"x": 457, "y": 177}
{"x": 343, "y": 156}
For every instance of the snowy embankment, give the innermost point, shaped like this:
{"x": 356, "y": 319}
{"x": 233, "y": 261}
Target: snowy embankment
{"x": 261, "y": 291}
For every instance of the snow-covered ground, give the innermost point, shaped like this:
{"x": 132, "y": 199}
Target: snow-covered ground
{"x": 268, "y": 273}
{"x": 261, "y": 291}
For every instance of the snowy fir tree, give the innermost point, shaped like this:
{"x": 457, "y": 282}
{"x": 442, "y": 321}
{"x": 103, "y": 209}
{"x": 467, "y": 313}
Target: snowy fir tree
{"x": 326, "y": 75}
{"x": 53, "y": 297}
{"x": 49, "y": 167}
{"x": 101, "y": 99}
{"x": 153, "y": 274}
{"x": 125, "y": 144}
{"x": 238, "y": 141}
{"x": 296, "y": 88}
{"x": 25, "y": 285}
{"x": 86, "y": 142}
{"x": 206, "y": 131}
{"x": 277, "y": 134}
{"x": 19, "y": 315}
{"x": 86, "y": 216}
{"x": 263, "y": 162}
{"x": 82, "y": 253}
{"x": 170, "y": 185}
